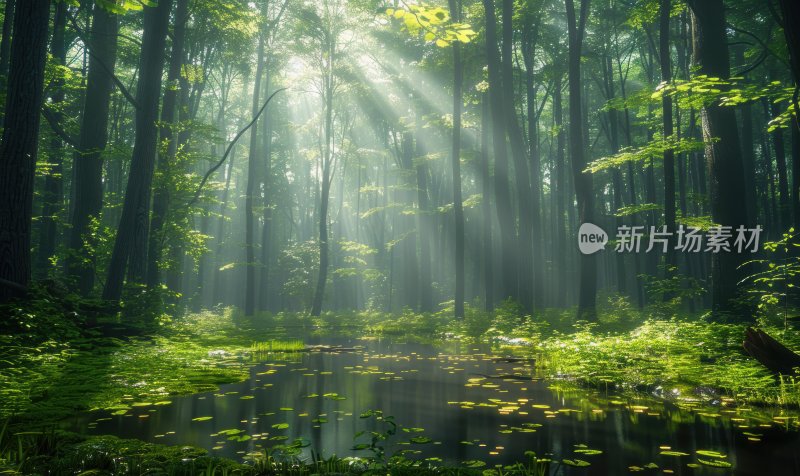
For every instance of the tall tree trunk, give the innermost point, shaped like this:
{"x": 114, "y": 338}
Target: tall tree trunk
{"x": 502, "y": 197}
{"x": 723, "y": 154}
{"x": 560, "y": 190}
{"x": 266, "y": 232}
{"x": 486, "y": 208}
{"x": 5, "y": 42}
{"x": 424, "y": 228}
{"x": 87, "y": 162}
{"x": 130, "y": 245}
{"x": 325, "y": 191}
{"x": 780, "y": 162}
{"x": 520, "y": 156}
{"x": 584, "y": 188}
{"x": 52, "y": 195}
{"x": 530, "y": 36}
{"x": 218, "y": 294}
{"x": 458, "y": 210}
{"x": 161, "y": 196}
{"x": 19, "y": 145}
{"x": 669, "y": 154}
{"x": 252, "y": 182}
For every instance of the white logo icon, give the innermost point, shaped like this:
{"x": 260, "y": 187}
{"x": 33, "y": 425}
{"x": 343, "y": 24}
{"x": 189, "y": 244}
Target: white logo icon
{"x": 591, "y": 238}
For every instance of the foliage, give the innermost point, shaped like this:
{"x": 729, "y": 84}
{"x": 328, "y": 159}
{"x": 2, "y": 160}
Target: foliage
{"x": 774, "y": 284}
{"x": 433, "y": 22}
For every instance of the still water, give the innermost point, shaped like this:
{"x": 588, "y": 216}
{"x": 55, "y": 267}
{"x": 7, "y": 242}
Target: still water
{"x": 442, "y": 396}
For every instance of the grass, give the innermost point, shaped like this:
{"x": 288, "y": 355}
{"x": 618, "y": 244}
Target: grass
{"x": 51, "y": 379}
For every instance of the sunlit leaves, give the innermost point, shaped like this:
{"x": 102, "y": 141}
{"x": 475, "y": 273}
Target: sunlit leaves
{"x": 433, "y": 23}
{"x": 652, "y": 150}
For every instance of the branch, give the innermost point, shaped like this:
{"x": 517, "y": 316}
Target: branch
{"x": 120, "y": 85}
{"x": 56, "y": 127}
{"x": 230, "y": 147}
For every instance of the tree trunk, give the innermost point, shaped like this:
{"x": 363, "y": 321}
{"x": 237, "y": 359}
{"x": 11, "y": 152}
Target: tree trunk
{"x": 584, "y": 188}
{"x": 524, "y": 201}
{"x": 458, "y": 209}
{"x": 327, "y": 162}
{"x": 780, "y": 161}
{"x": 161, "y": 196}
{"x": 560, "y": 190}
{"x": 502, "y": 197}
{"x": 130, "y": 245}
{"x": 252, "y": 182}
{"x": 486, "y": 207}
{"x": 530, "y": 34}
{"x": 424, "y": 230}
{"x": 87, "y": 162}
{"x": 52, "y": 195}
{"x": 19, "y": 145}
{"x": 5, "y": 42}
{"x": 669, "y": 154}
{"x": 723, "y": 154}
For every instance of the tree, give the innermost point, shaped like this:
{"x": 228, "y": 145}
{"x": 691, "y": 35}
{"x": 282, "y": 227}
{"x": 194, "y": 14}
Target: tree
{"x": 52, "y": 194}
{"x": 502, "y": 197}
{"x": 723, "y": 154}
{"x": 458, "y": 208}
{"x": 88, "y": 157}
{"x": 130, "y": 244}
{"x": 161, "y": 196}
{"x": 19, "y": 146}
{"x": 666, "y": 106}
{"x": 252, "y": 181}
{"x": 584, "y": 187}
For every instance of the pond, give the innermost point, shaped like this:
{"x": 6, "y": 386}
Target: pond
{"x": 454, "y": 405}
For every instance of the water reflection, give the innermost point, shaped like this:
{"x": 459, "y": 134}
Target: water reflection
{"x": 320, "y": 396}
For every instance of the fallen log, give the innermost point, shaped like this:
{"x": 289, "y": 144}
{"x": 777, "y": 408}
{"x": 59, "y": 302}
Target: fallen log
{"x": 769, "y": 352}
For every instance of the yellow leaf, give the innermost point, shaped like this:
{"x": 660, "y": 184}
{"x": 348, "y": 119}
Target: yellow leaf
{"x": 399, "y": 14}
{"x": 442, "y": 43}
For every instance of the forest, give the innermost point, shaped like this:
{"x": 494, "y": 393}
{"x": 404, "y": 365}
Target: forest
{"x": 489, "y": 237}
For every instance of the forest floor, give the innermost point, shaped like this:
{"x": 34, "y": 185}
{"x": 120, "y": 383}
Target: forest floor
{"x": 58, "y": 359}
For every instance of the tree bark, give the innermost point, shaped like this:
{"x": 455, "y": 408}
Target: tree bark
{"x": 87, "y": 161}
{"x": 252, "y": 182}
{"x": 52, "y": 195}
{"x": 161, "y": 196}
{"x": 130, "y": 245}
{"x": 584, "y": 187}
{"x": 458, "y": 209}
{"x": 505, "y": 218}
{"x": 486, "y": 208}
{"x": 723, "y": 154}
{"x": 669, "y": 154}
{"x": 19, "y": 145}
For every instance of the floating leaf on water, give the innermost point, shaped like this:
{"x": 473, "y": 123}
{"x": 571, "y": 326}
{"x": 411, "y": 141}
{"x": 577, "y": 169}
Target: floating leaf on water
{"x": 673, "y": 453}
{"x": 246, "y": 397}
{"x": 474, "y": 463}
{"x": 202, "y": 418}
{"x": 286, "y": 409}
{"x": 280, "y": 426}
{"x": 587, "y": 451}
{"x": 420, "y": 440}
{"x": 163, "y": 402}
{"x": 716, "y": 463}
{"x": 579, "y": 463}
{"x": 141, "y": 404}
{"x": 710, "y": 454}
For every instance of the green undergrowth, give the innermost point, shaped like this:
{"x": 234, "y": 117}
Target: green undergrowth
{"x": 54, "y": 363}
